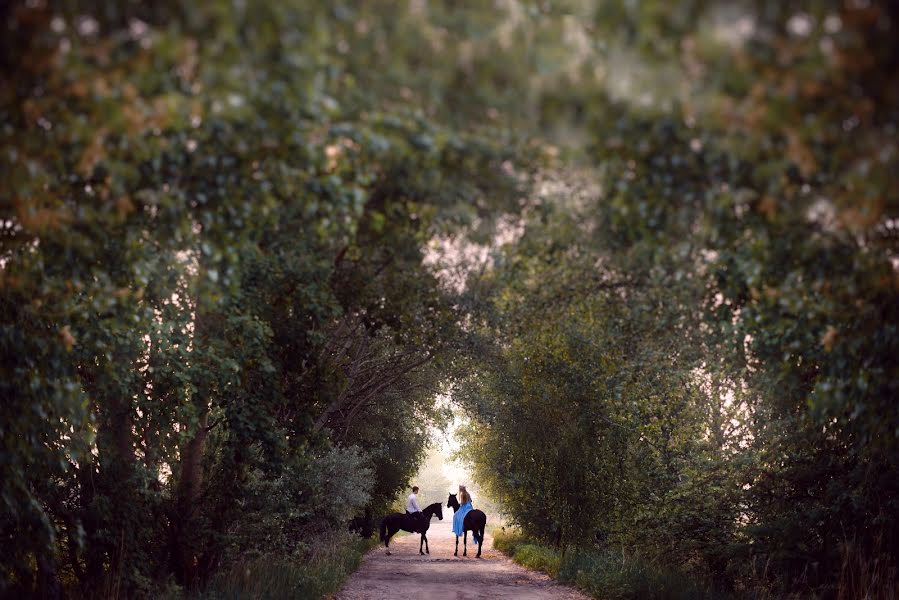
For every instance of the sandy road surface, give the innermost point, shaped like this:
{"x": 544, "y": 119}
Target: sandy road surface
{"x": 442, "y": 576}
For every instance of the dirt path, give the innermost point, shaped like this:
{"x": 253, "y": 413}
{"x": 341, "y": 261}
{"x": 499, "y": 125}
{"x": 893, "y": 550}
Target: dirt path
{"x": 442, "y": 576}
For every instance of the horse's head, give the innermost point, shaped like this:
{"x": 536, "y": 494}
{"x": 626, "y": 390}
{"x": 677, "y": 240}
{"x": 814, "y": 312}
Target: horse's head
{"x": 452, "y": 502}
{"x": 433, "y": 509}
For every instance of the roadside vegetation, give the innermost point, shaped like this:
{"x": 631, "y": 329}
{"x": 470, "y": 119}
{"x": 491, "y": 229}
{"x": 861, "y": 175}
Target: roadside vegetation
{"x": 319, "y": 575}
{"x": 606, "y": 573}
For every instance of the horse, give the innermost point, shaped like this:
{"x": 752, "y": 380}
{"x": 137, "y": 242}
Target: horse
{"x": 411, "y": 523}
{"x": 474, "y": 521}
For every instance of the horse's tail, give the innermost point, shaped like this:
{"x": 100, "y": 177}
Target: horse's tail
{"x": 384, "y": 530}
{"x": 476, "y": 536}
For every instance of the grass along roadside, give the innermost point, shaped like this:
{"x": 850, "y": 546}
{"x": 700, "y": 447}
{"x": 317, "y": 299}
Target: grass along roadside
{"x": 320, "y": 574}
{"x": 608, "y": 574}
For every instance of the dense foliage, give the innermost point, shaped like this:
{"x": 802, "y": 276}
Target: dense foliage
{"x": 650, "y": 247}
{"x": 220, "y": 340}
{"x": 712, "y": 310}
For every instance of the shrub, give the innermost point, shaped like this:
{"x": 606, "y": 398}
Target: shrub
{"x": 282, "y": 577}
{"x": 541, "y": 558}
{"x": 615, "y": 574}
{"x": 609, "y": 574}
{"x": 507, "y": 541}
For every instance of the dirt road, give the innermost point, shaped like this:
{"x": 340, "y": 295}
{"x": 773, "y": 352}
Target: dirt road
{"x": 442, "y": 576}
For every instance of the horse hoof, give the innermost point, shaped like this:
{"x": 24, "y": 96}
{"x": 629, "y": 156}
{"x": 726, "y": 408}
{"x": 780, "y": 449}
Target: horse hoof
{"x": 388, "y": 553}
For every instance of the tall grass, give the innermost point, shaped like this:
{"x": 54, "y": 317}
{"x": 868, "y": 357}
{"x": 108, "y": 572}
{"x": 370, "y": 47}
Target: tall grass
{"x": 317, "y": 575}
{"x": 607, "y": 574}
{"x": 619, "y": 575}
{"x": 870, "y": 576}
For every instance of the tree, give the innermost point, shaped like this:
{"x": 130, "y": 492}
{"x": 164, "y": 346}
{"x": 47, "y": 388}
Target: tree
{"x": 213, "y": 287}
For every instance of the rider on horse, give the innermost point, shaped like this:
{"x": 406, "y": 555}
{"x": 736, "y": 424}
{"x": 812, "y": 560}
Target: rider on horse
{"x": 412, "y": 507}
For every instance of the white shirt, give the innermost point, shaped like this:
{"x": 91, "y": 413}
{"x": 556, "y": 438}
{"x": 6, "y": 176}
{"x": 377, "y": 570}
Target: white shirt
{"x": 412, "y": 504}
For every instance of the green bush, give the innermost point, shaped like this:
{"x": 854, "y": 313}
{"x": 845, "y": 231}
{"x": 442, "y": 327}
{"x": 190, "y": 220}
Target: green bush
{"x": 507, "y": 541}
{"x": 280, "y": 577}
{"x": 608, "y": 574}
{"x": 617, "y": 574}
{"x": 541, "y": 558}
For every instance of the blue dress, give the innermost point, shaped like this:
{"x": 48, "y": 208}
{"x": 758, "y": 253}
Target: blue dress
{"x": 459, "y": 517}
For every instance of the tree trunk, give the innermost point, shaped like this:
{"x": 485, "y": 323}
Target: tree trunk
{"x": 188, "y": 497}
{"x": 109, "y": 476}
{"x": 48, "y": 578}
{"x": 191, "y": 482}
{"x": 93, "y": 558}
{"x": 187, "y": 530}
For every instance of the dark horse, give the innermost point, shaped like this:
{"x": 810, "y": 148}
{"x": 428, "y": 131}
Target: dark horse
{"x": 411, "y": 523}
{"x": 474, "y": 521}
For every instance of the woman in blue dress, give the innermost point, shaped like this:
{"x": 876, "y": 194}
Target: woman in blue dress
{"x": 467, "y": 519}
{"x": 464, "y": 508}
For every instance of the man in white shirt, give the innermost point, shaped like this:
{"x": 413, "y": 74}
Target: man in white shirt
{"x": 412, "y": 507}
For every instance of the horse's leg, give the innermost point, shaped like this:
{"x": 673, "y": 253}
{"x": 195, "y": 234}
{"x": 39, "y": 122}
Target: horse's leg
{"x": 481, "y": 545}
{"x": 456, "y": 553}
{"x": 420, "y": 544}
{"x": 465, "y": 543}
{"x": 427, "y": 550}
{"x": 390, "y": 533}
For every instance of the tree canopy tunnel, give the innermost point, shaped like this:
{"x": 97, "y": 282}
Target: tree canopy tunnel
{"x": 649, "y": 249}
